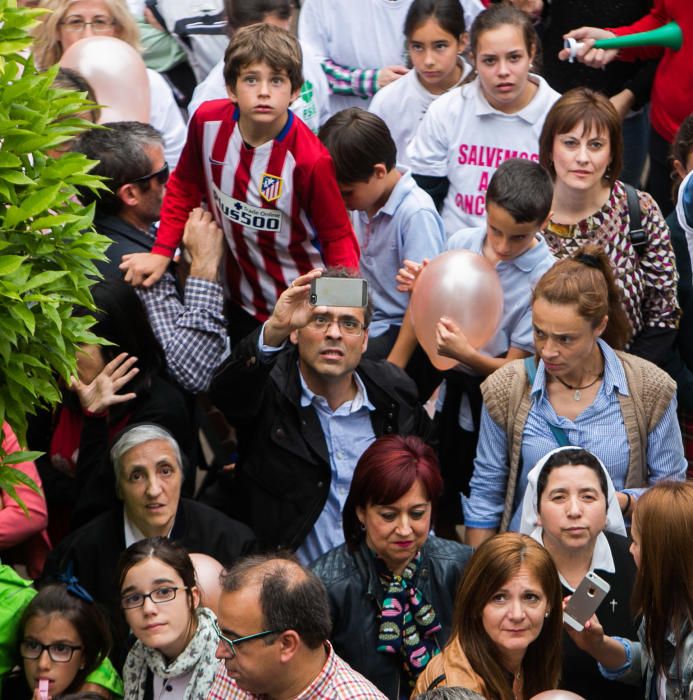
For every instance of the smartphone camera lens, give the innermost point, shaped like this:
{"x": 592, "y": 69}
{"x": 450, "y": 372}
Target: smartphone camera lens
{"x": 313, "y": 299}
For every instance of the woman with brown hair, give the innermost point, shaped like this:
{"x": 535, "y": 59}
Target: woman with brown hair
{"x": 506, "y": 631}
{"x": 581, "y": 145}
{"x": 579, "y": 391}
{"x": 662, "y": 533}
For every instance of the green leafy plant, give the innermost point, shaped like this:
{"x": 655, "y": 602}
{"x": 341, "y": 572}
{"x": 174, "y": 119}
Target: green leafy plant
{"x": 47, "y": 243}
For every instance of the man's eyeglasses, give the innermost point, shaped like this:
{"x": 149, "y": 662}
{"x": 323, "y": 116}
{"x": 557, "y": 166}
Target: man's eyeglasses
{"x": 231, "y": 644}
{"x": 60, "y": 652}
{"x": 158, "y": 595}
{"x": 99, "y": 25}
{"x": 347, "y": 324}
{"x": 160, "y": 175}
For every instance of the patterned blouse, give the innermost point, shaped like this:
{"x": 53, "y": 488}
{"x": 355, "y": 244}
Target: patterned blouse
{"x": 648, "y": 283}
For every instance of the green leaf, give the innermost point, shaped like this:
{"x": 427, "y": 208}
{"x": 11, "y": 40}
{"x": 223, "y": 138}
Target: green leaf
{"x": 15, "y": 177}
{"x": 9, "y": 263}
{"x": 9, "y": 160}
{"x": 22, "y": 311}
{"x": 44, "y": 278}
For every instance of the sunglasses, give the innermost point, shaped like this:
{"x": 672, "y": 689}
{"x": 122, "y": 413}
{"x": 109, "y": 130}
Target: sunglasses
{"x": 160, "y": 175}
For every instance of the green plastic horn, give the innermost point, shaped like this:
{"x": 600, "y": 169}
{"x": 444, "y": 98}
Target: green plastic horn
{"x": 669, "y": 35}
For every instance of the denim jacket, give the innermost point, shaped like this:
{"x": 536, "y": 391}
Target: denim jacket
{"x": 639, "y": 665}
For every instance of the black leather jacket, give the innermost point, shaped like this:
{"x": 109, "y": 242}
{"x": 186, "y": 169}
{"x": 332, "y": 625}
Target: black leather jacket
{"x": 356, "y": 597}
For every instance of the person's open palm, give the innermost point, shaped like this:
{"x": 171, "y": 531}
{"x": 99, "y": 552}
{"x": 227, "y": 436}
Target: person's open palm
{"x": 102, "y": 392}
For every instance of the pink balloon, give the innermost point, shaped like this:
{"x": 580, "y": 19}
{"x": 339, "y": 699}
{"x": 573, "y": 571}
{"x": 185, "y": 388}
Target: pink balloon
{"x": 207, "y": 572}
{"x": 557, "y": 695}
{"x": 463, "y": 286}
{"x": 116, "y": 73}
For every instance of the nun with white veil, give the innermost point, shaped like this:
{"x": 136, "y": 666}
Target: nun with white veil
{"x": 570, "y": 507}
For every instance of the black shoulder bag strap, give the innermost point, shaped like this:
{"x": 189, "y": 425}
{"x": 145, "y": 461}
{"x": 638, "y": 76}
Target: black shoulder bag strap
{"x": 636, "y": 233}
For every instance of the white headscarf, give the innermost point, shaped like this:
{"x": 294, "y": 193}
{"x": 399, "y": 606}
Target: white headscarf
{"x": 684, "y": 209}
{"x": 530, "y": 512}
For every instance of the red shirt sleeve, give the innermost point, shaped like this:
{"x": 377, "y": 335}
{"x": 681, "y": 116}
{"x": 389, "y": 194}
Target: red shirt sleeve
{"x": 325, "y": 207}
{"x": 15, "y": 527}
{"x": 184, "y": 192}
{"x": 656, "y": 18}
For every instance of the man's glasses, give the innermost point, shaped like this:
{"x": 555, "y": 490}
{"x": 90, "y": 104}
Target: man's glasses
{"x": 99, "y": 25}
{"x": 347, "y": 324}
{"x": 59, "y": 652}
{"x": 158, "y": 595}
{"x": 160, "y": 175}
{"x": 231, "y": 644}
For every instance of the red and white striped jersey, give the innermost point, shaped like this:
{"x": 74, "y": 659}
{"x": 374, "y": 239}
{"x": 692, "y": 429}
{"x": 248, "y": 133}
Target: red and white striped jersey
{"x": 278, "y": 204}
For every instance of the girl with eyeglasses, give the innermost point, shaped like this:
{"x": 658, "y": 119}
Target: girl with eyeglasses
{"x": 174, "y": 654}
{"x": 64, "y": 638}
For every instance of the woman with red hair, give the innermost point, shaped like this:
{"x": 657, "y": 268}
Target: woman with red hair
{"x": 392, "y": 585}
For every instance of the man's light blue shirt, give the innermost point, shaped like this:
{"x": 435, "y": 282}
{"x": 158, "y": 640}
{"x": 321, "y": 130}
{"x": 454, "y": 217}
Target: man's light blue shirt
{"x": 599, "y": 429}
{"x": 348, "y": 432}
{"x": 406, "y": 227}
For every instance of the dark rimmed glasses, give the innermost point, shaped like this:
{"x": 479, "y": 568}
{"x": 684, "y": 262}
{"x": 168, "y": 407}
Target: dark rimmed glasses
{"x": 160, "y": 175}
{"x": 347, "y": 324}
{"x": 158, "y": 595}
{"x": 59, "y": 652}
{"x": 231, "y": 644}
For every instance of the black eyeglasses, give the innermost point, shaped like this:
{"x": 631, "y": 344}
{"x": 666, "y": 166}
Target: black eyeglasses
{"x": 160, "y": 175}
{"x": 60, "y": 652}
{"x": 158, "y": 595}
{"x": 231, "y": 644}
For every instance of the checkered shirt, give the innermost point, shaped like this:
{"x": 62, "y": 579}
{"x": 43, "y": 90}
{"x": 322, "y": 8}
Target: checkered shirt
{"x": 336, "y": 681}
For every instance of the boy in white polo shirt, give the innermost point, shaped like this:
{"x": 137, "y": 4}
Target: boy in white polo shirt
{"x": 518, "y": 204}
{"x": 394, "y": 219}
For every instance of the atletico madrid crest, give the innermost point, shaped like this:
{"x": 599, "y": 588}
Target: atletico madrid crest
{"x": 270, "y": 187}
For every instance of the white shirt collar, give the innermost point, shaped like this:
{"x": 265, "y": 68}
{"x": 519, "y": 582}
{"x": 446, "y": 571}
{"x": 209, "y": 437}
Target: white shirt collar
{"x": 133, "y": 533}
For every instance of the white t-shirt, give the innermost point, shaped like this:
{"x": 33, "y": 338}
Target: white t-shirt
{"x": 165, "y": 116}
{"x": 357, "y": 34}
{"x": 311, "y": 106}
{"x": 402, "y": 105}
{"x": 464, "y": 139}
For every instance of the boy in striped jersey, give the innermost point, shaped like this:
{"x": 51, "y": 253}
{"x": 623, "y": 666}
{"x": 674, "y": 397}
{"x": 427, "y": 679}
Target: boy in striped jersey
{"x": 266, "y": 178}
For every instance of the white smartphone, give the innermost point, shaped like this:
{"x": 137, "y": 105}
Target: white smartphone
{"x": 585, "y": 601}
{"x": 339, "y": 291}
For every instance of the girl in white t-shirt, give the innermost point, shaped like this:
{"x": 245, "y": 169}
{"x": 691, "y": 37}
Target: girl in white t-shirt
{"x": 468, "y": 132}
{"x": 435, "y": 33}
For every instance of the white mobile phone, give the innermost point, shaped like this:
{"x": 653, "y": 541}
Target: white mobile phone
{"x": 339, "y": 291}
{"x": 585, "y": 601}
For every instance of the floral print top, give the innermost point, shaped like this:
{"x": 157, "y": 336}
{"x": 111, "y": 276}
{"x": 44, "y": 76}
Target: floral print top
{"x": 648, "y": 283}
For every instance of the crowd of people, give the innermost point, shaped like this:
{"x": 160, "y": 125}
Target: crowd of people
{"x": 247, "y": 491}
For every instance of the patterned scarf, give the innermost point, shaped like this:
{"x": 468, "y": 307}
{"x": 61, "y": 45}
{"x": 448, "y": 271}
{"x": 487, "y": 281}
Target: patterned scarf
{"x": 197, "y": 657}
{"x": 407, "y": 622}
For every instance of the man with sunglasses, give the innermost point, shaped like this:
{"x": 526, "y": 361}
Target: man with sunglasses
{"x": 190, "y": 327}
{"x": 306, "y": 406}
{"x": 273, "y": 626}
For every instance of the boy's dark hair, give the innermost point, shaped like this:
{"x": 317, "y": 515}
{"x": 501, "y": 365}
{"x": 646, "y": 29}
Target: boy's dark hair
{"x": 357, "y": 141}
{"x": 264, "y": 43}
{"x": 523, "y": 188}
